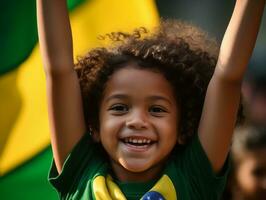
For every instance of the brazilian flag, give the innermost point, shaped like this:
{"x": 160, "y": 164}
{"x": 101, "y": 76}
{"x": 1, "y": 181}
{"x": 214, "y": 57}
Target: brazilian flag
{"x": 25, "y": 152}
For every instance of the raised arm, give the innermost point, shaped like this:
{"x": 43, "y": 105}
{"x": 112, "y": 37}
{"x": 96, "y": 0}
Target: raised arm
{"x": 64, "y": 97}
{"x": 223, "y": 94}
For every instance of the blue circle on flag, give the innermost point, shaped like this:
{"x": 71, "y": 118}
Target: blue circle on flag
{"x": 152, "y": 195}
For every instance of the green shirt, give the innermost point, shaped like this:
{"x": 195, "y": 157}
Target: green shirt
{"x": 86, "y": 174}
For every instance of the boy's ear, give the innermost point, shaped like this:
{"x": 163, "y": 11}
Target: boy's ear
{"x": 180, "y": 140}
{"x": 96, "y": 136}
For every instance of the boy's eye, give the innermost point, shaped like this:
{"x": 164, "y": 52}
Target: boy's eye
{"x": 259, "y": 172}
{"x": 157, "y": 110}
{"x": 119, "y": 108}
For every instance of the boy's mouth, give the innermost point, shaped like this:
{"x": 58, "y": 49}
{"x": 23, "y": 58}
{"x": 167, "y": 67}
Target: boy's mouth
{"x": 137, "y": 141}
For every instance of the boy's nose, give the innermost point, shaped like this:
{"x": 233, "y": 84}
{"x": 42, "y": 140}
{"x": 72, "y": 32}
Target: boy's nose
{"x": 137, "y": 120}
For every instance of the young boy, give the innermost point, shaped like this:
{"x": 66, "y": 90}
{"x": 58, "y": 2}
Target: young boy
{"x": 141, "y": 99}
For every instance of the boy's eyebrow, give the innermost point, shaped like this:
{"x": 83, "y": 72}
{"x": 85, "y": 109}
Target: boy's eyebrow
{"x": 158, "y": 97}
{"x": 117, "y": 96}
{"x": 151, "y": 98}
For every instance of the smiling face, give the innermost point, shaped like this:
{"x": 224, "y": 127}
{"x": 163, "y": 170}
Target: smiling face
{"x": 138, "y": 122}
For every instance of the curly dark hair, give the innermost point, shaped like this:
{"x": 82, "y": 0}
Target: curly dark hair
{"x": 181, "y": 52}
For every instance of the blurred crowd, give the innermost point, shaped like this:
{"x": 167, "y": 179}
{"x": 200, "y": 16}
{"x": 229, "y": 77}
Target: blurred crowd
{"x": 247, "y": 179}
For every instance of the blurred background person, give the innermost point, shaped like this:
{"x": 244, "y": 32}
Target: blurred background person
{"x": 247, "y": 180}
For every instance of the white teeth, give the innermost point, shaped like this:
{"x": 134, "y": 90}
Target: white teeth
{"x": 137, "y": 141}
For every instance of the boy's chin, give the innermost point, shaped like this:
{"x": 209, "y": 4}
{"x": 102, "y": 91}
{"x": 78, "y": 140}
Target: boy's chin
{"x": 135, "y": 166}
{"x": 138, "y": 171}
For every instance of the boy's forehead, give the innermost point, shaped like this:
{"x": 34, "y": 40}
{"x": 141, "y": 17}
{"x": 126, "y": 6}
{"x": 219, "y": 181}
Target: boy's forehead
{"x": 132, "y": 80}
{"x": 132, "y": 76}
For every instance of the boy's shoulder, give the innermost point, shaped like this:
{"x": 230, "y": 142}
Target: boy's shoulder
{"x": 191, "y": 172}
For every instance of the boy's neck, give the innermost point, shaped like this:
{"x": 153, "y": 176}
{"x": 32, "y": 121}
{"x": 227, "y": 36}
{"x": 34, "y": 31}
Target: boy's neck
{"x": 125, "y": 175}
